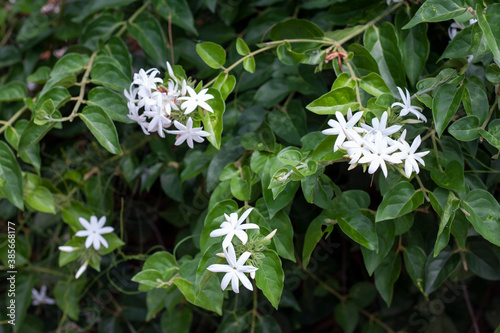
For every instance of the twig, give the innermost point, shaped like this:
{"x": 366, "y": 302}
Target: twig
{"x": 469, "y": 308}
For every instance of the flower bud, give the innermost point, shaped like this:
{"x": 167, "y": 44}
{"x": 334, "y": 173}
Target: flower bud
{"x": 271, "y": 235}
{"x": 68, "y": 248}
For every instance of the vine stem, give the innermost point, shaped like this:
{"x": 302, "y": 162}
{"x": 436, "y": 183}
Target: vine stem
{"x": 133, "y": 17}
{"x": 254, "y": 309}
{"x": 489, "y": 115}
{"x": 13, "y": 118}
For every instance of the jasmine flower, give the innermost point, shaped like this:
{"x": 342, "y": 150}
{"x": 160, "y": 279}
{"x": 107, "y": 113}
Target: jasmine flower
{"x": 41, "y": 297}
{"x": 234, "y": 227}
{"x": 407, "y": 107}
{"x": 188, "y": 133}
{"x": 194, "y": 100}
{"x": 93, "y": 232}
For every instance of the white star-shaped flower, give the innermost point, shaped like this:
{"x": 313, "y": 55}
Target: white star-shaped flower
{"x": 408, "y": 154}
{"x": 343, "y": 129}
{"x": 234, "y": 227}
{"x": 147, "y": 79}
{"x": 194, "y": 100}
{"x": 379, "y": 153}
{"x": 453, "y": 29}
{"x": 380, "y": 126}
{"x": 93, "y": 232}
{"x": 188, "y": 133}
{"x": 356, "y": 147}
{"x": 235, "y": 270}
{"x": 41, "y": 297}
{"x": 159, "y": 121}
{"x": 407, "y": 107}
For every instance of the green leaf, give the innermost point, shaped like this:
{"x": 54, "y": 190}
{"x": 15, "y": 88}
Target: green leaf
{"x": 489, "y": 23}
{"x": 98, "y": 29}
{"x": 290, "y": 123}
{"x": 249, "y": 64}
{"x": 288, "y": 56}
{"x": 30, "y": 155}
{"x": 414, "y": 45}
{"x": 297, "y": 29}
{"x": 13, "y": 91}
{"x": 73, "y": 212}
{"x": 484, "y": 214}
{"x": 241, "y": 186}
{"x": 465, "y": 129}
{"x": 374, "y": 85}
{"x": 451, "y": 178}
{"x": 41, "y": 199}
{"x": 178, "y": 11}
{"x": 225, "y": 84}
{"x": 415, "y": 259}
{"x": 110, "y": 102}
{"x": 241, "y": 47}
{"x": 400, "y": 200}
{"x": 69, "y": 63}
{"x": 22, "y": 297}
{"x": 360, "y": 229}
{"x": 475, "y": 101}
{"x": 437, "y": 11}
{"x": 483, "y": 261}
{"x": 438, "y": 269}
{"x": 445, "y": 105}
{"x": 58, "y": 95}
{"x": 102, "y": 128}
{"x": 382, "y": 44}
{"x": 109, "y": 76}
{"x": 212, "y": 122}
{"x": 347, "y": 316}
{"x": 40, "y": 76}
{"x": 147, "y": 31}
{"x": 212, "y": 54}
{"x": 94, "y": 6}
{"x": 493, "y": 134}
{"x": 460, "y": 45}
{"x": 385, "y": 233}
{"x": 270, "y": 277}
{"x": 318, "y": 227}
{"x": 340, "y": 99}
{"x": 363, "y": 60}
{"x": 386, "y": 275}
{"x": 67, "y": 296}
{"x": 11, "y": 182}
{"x": 492, "y": 73}
{"x": 178, "y": 321}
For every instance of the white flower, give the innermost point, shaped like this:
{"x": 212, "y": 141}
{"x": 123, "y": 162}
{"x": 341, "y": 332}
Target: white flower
{"x": 472, "y": 21}
{"x": 194, "y": 100}
{"x": 82, "y": 269}
{"x": 68, "y": 248}
{"x": 148, "y": 82}
{"x": 379, "y": 154}
{"x": 188, "y": 133}
{"x": 140, "y": 119}
{"x": 41, "y": 297}
{"x": 343, "y": 129}
{"x": 395, "y": 1}
{"x": 93, "y": 232}
{"x": 235, "y": 270}
{"x": 408, "y": 154}
{"x": 234, "y": 227}
{"x": 380, "y": 126}
{"x": 159, "y": 121}
{"x": 453, "y": 29}
{"x": 355, "y": 148}
{"x": 407, "y": 107}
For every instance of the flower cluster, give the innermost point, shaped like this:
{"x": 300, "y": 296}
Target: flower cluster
{"x": 156, "y": 104}
{"x": 373, "y": 144}
{"x": 236, "y": 267}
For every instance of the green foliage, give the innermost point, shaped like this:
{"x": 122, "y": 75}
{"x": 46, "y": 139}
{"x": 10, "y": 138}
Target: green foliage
{"x": 293, "y": 138}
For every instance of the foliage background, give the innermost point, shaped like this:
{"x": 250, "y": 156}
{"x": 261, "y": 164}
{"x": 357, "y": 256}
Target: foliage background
{"x": 156, "y": 195}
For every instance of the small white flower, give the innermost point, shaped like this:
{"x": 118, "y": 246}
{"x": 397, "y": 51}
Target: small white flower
{"x": 379, "y": 154}
{"x": 408, "y": 154}
{"x": 380, "y": 126}
{"x": 407, "y": 107}
{"x": 356, "y": 148}
{"x": 194, "y": 100}
{"x": 159, "y": 121}
{"x": 82, "y": 269}
{"x": 343, "y": 129}
{"x": 234, "y": 227}
{"x": 472, "y": 21}
{"x": 171, "y": 72}
{"x": 68, "y": 248}
{"x": 188, "y": 133}
{"x": 41, "y": 297}
{"x": 93, "y": 232}
{"x": 453, "y": 29}
{"x": 147, "y": 79}
{"x": 235, "y": 270}
{"x": 394, "y": 1}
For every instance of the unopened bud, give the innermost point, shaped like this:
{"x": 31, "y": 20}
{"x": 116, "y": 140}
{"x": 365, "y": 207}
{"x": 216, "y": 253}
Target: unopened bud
{"x": 271, "y": 235}
{"x": 220, "y": 255}
{"x": 68, "y": 248}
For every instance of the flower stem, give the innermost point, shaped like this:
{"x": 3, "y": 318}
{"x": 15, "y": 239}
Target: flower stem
{"x": 489, "y": 115}
{"x": 254, "y": 309}
{"x": 133, "y": 17}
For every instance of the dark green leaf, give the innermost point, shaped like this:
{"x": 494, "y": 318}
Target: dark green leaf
{"x": 340, "y": 99}
{"x": 13, "y": 91}
{"x": 178, "y": 11}
{"x": 445, "y": 105}
{"x": 437, "y": 11}
{"x": 399, "y": 201}
{"x": 270, "y": 277}
{"x": 99, "y": 123}
{"x": 148, "y": 32}
{"x": 11, "y": 182}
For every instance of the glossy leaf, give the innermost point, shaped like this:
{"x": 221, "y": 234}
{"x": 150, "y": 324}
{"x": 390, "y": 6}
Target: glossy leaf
{"x": 465, "y": 129}
{"x": 399, "y": 201}
{"x": 148, "y": 32}
{"x": 270, "y": 277}
{"x": 178, "y": 11}
{"x": 212, "y": 54}
{"x": 445, "y": 105}
{"x": 437, "y": 11}
{"x": 484, "y": 214}
{"x": 340, "y": 99}
{"x": 12, "y": 91}
{"x": 101, "y": 126}
{"x": 11, "y": 182}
